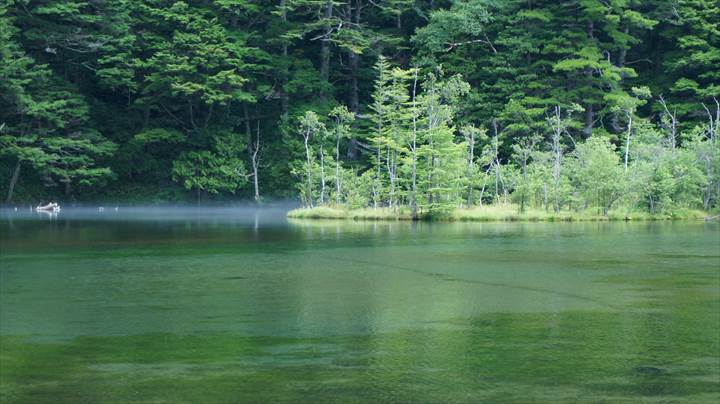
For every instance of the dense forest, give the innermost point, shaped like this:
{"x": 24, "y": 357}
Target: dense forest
{"x": 427, "y": 104}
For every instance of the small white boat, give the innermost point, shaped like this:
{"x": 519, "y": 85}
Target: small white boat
{"x": 50, "y": 207}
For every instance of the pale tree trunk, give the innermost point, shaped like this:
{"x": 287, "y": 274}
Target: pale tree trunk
{"x": 484, "y": 185}
{"x": 432, "y": 124}
{"x": 322, "y": 176}
{"x": 338, "y": 186}
{"x": 557, "y": 128}
{"x": 673, "y": 123}
{"x": 13, "y": 181}
{"x": 376, "y": 187}
{"x": 589, "y": 119}
{"x": 391, "y": 168}
{"x": 413, "y": 149}
{"x": 255, "y": 159}
{"x": 471, "y": 165}
{"x": 627, "y": 140}
{"x": 308, "y": 190}
{"x": 712, "y": 137}
{"x": 524, "y": 177}
{"x": 496, "y": 162}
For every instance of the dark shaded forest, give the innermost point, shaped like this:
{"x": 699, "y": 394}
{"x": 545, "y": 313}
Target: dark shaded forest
{"x": 362, "y": 103}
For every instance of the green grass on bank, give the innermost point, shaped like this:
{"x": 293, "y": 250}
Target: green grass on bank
{"x": 494, "y": 213}
{"x": 326, "y": 212}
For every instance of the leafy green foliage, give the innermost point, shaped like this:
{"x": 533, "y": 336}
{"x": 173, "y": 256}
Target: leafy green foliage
{"x": 212, "y": 171}
{"x": 474, "y": 101}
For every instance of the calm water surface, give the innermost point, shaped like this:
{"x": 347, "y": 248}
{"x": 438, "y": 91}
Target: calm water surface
{"x": 237, "y": 305}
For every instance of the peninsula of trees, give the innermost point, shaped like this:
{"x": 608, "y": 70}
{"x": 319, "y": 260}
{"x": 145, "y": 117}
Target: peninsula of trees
{"x": 419, "y": 107}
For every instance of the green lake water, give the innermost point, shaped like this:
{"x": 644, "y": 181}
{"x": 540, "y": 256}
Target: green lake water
{"x": 235, "y": 305}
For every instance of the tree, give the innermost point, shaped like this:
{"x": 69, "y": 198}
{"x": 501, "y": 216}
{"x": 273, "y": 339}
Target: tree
{"x": 559, "y": 126}
{"x": 692, "y": 55}
{"x": 472, "y": 135}
{"x": 595, "y": 172}
{"x": 45, "y": 122}
{"x": 439, "y": 155}
{"x": 309, "y": 126}
{"x": 342, "y": 118}
{"x": 212, "y": 171}
{"x": 391, "y": 118}
{"x": 627, "y": 105}
{"x": 255, "y": 151}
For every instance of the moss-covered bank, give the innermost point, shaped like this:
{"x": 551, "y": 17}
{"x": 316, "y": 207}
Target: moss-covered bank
{"x": 494, "y": 213}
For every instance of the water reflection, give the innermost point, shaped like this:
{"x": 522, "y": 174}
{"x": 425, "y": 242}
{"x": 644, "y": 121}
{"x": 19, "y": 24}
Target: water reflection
{"x": 241, "y": 305}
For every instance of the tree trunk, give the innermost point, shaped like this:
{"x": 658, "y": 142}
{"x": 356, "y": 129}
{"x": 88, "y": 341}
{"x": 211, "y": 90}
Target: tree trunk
{"x": 284, "y": 99}
{"x": 354, "y": 92}
{"x": 524, "y": 177}
{"x": 413, "y": 202}
{"x": 13, "y": 181}
{"x": 308, "y": 195}
{"x": 322, "y": 176}
{"x": 627, "y": 141}
{"x": 589, "y": 112}
{"x": 471, "y": 160}
{"x": 652, "y": 203}
{"x": 337, "y": 169}
{"x": 589, "y": 119}
{"x": 325, "y": 50}
{"x": 256, "y": 182}
{"x": 255, "y": 162}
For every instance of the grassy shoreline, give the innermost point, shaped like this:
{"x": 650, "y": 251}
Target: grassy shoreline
{"x": 492, "y": 213}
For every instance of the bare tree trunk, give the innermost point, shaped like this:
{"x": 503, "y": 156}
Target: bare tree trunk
{"x": 322, "y": 176}
{"x": 672, "y": 122}
{"x": 471, "y": 166}
{"x": 376, "y": 187}
{"x": 13, "y": 181}
{"x": 496, "y": 162}
{"x": 308, "y": 190}
{"x": 589, "y": 119}
{"x": 338, "y": 185}
{"x": 627, "y": 140}
{"x": 557, "y": 156}
{"x": 391, "y": 168}
{"x": 712, "y": 137}
{"x": 255, "y": 159}
{"x": 484, "y": 185}
{"x": 413, "y": 148}
{"x": 652, "y": 203}
{"x": 524, "y": 177}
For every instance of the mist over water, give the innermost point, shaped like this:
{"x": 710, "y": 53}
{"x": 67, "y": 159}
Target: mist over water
{"x": 269, "y": 213}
